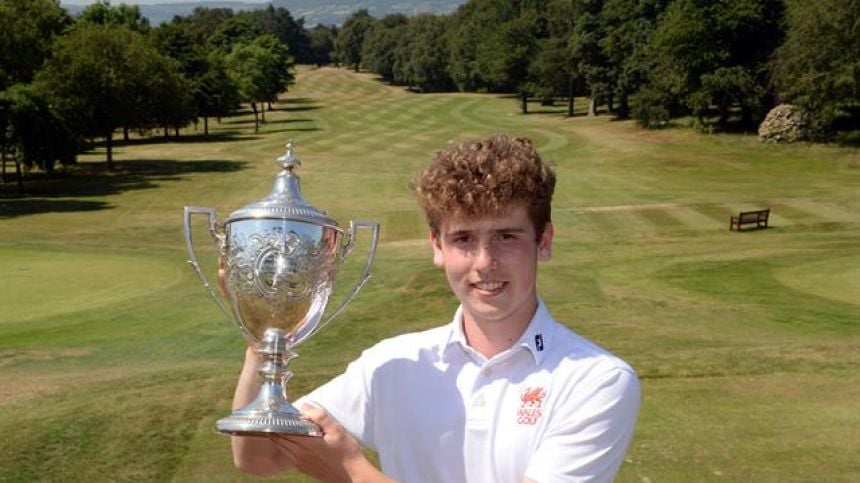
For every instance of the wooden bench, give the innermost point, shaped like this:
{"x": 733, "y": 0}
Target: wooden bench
{"x": 757, "y": 218}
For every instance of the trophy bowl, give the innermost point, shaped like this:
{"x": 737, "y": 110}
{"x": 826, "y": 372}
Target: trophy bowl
{"x": 280, "y": 257}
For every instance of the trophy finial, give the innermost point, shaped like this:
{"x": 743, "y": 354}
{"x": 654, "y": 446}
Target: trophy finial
{"x": 289, "y": 161}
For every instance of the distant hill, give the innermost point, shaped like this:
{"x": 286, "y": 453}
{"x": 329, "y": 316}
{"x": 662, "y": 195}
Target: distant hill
{"x": 313, "y": 11}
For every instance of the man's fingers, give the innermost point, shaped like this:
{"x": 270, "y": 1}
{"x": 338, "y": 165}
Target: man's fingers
{"x": 318, "y": 416}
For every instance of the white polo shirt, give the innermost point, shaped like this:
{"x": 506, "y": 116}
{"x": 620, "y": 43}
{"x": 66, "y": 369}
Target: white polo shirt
{"x": 554, "y": 407}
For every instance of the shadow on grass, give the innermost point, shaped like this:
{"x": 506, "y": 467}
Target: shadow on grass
{"x": 294, "y": 129}
{"x": 298, "y": 100}
{"x": 20, "y": 207}
{"x": 43, "y": 194}
{"x": 287, "y": 121}
{"x": 299, "y": 108}
{"x": 185, "y": 138}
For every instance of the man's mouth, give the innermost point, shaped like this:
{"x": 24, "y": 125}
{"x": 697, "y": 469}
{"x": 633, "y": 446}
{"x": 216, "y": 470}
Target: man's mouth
{"x": 489, "y": 286}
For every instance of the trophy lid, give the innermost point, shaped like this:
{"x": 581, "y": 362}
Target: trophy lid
{"x": 285, "y": 201}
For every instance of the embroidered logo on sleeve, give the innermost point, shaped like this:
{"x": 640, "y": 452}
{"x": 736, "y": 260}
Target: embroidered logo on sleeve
{"x": 531, "y": 408}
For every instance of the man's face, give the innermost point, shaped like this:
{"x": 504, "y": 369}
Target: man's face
{"x": 491, "y": 264}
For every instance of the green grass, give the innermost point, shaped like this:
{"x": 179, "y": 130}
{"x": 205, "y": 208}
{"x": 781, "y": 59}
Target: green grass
{"x": 114, "y": 364}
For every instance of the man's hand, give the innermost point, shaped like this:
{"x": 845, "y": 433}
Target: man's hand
{"x": 335, "y": 457}
{"x": 222, "y": 277}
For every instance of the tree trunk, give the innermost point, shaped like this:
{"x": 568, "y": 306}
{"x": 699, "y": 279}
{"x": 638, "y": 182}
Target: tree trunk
{"x": 109, "y": 148}
{"x": 125, "y": 134}
{"x": 19, "y": 176}
{"x": 3, "y": 164}
{"x": 623, "y": 105}
{"x": 609, "y": 103}
{"x": 256, "y": 117}
{"x": 724, "y": 115}
{"x": 205, "y": 126}
{"x": 263, "y": 112}
{"x": 524, "y": 98}
{"x": 166, "y": 132}
{"x": 570, "y": 97}
{"x": 746, "y": 116}
{"x": 176, "y": 131}
{"x": 592, "y": 107}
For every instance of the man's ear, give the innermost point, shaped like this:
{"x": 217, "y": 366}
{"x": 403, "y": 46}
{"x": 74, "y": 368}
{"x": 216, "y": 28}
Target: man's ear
{"x": 438, "y": 258}
{"x": 545, "y": 243}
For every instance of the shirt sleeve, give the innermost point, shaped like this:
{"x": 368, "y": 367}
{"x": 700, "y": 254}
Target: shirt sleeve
{"x": 347, "y": 398}
{"x": 589, "y": 432}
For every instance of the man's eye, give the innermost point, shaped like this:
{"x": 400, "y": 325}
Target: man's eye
{"x": 461, "y": 239}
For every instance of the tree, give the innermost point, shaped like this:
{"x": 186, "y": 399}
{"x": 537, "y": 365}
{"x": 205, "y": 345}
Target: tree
{"x": 585, "y": 44}
{"x": 216, "y": 93}
{"x": 322, "y": 40}
{"x": 627, "y": 25}
{"x": 32, "y": 133}
{"x": 204, "y": 22}
{"x": 472, "y": 26}
{"x": 102, "y": 77}
{"x": 725, "y": 43}
{"x": 278, "y": 23}
{"x": 233, "y": 31}
{"x": 554, "y": 71}
{"x": 818, "y": 66}
{"x": 260, "y": 69}
{"x": 421, "y": 57}
{"x": 350, "y": 39}
{"x": 505, "y": 56}
{"x": 103, "y": 13}
{"x": 179, "y": 41}
{"x": 277, "y": 67}
{"x": 381, "y": 42}
{"x": 212, "y": 92}
{"x": 27, "y": 29}
{"x": 165, "y": 96}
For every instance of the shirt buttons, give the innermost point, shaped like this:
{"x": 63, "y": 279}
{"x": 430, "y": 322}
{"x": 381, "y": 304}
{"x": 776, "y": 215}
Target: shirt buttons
{"x": 488, "y": 372}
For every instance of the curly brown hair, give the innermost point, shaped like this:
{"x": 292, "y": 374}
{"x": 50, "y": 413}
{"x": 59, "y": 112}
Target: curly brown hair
{"x": 485, "y": 177}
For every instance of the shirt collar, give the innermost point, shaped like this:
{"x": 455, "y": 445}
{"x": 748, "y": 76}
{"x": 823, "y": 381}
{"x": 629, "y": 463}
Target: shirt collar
{"x": 537, "y": 338}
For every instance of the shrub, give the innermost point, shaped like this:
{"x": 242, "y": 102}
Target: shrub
{"x": 785, "y": 123}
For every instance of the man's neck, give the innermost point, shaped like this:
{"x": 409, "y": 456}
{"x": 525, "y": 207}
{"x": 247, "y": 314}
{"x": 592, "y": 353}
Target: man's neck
{"x": 490, "y": 338}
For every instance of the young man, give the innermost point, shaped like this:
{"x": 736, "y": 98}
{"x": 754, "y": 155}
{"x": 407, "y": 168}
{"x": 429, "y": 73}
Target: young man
{"x": 503, "y": 393}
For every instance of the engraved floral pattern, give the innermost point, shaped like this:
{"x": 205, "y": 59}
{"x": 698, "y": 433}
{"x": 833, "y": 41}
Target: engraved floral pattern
{"x": 280, "y": 274}
{"x": 275, "y": 265}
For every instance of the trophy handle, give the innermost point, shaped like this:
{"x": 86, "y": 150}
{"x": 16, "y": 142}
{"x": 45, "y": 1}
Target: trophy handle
{"x": 216, "y": 230}
{"x": 365, "y": 276}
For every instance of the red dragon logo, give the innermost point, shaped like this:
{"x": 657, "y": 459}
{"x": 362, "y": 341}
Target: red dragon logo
{"x": 533, "y": 396}
{"x": 532, "y": 405}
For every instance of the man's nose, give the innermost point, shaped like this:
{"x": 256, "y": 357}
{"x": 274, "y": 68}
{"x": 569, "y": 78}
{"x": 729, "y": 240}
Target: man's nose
{"x": 485, "y": 258}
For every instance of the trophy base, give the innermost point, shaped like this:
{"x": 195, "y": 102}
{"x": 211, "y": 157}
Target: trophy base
{"x": 267, "y": 424}
{"x": 270, "y": 413}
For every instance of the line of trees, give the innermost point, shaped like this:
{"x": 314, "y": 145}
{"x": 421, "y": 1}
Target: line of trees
{"x": 716, "y": 60}
{"x": 66, "y": 82}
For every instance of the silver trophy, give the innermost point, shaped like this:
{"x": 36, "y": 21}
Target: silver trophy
{"x": 280, "y": 257}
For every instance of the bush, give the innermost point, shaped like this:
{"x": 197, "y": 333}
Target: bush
{"x": 651, "y": 109}
{"x": 785, "y": 123}
{"x": 651, "y": 117}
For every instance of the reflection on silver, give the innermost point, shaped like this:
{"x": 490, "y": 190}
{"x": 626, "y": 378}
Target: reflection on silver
{"x": 281, "y": 256}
